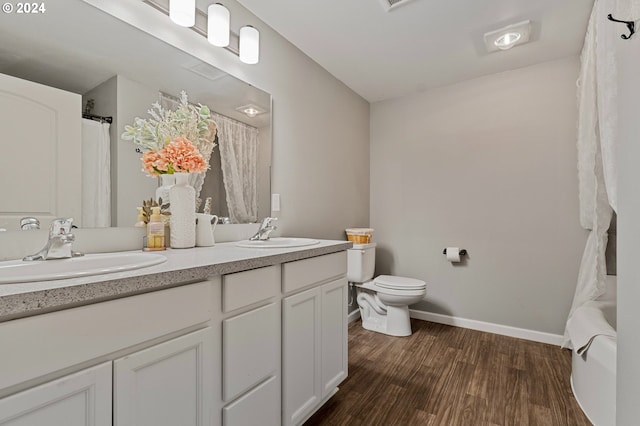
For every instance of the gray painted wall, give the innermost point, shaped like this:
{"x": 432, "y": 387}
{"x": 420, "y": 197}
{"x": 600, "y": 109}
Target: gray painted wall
{"x": 628, "y": 374}
{"x": 488, "y": 165}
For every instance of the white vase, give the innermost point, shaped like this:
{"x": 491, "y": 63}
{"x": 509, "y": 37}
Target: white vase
{"x": 166, "y": 182}
{"x": 183, "y": 213}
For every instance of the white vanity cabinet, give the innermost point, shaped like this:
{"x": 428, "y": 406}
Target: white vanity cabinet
{"x": 80, "y": 399}
{"x": 314, "y": 341}
{"x": 161, "y": 369}
{"x": 165, "y": 385}
{"x": 265, "y": 346}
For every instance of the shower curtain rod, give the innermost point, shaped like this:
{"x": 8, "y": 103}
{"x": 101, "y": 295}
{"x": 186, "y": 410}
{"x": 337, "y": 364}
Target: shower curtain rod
{"x": 98, "y": 118}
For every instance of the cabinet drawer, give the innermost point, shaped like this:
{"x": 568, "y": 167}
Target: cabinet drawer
{"x": 250, "y": 349}
{"x": 261, "y": 406}
{"x": 244, "y": 288}
{"x": 304, "y": 273}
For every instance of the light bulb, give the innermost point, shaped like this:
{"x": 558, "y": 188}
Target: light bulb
{"x": 507, "y": 41}
{"x": 251, "y": 112}
{"x": 218, "y": 25}
{"x": 249, "y": 45}
{"x": 183, "y": 12}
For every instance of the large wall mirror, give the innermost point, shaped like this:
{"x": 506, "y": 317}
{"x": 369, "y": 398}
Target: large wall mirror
{"x": 120, "y": 72}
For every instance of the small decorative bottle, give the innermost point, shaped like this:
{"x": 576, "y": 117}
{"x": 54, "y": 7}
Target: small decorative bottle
{"x": 155, "y": 231}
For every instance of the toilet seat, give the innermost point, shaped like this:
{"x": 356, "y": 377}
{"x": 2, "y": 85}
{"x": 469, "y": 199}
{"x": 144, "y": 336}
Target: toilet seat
{"x": 399, "y": 283}
{"x": 419, "y": 289}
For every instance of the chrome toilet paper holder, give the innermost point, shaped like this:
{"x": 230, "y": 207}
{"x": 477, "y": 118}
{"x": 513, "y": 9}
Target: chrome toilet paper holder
{"x": 463, "y": 252}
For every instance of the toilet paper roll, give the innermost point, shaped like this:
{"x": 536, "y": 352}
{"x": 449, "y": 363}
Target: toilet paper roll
{"x": 453, "y": 254}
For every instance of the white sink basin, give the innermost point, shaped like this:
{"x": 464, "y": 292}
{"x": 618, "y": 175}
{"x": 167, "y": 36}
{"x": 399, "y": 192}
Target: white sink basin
{"x": 278, "y": 243}
{"x": 18, "y": 271}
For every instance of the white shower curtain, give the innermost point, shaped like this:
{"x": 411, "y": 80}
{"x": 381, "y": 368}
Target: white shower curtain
{"x": 238, "y": 144}
{"x": 96, "y": 176}
{"x": 597, "y": 122}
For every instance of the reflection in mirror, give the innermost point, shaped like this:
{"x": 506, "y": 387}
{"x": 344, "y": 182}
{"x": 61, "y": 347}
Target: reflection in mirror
{"x": 84, "y": 62}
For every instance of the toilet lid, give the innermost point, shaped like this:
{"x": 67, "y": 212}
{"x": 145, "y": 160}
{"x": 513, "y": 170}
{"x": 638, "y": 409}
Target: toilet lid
{"x": 399, "y": 283}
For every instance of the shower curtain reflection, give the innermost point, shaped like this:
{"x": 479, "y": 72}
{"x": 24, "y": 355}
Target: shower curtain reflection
{"x": 238, "y": 144}
{"x": 96, "y": 185}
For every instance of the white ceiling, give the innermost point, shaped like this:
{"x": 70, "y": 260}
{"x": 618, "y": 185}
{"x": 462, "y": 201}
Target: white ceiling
{"x": 424, "y": 43}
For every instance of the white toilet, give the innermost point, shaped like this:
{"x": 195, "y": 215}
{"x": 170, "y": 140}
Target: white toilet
{"x": 384, "y": 301}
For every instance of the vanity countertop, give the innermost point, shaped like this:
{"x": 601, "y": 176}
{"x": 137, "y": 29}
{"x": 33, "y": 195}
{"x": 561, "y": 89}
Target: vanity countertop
{"x": 182, "y": 266}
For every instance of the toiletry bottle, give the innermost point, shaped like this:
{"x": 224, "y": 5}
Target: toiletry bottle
{"x": 155, "y": 230}
{"x": 140, "y": 220}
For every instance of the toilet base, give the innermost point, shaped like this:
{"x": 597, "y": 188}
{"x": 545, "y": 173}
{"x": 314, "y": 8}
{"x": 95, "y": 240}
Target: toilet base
{"x": 381, "y": 318}
{"x": 398, "y": 321}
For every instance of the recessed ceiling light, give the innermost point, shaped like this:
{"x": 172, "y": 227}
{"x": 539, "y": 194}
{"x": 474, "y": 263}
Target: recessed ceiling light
{"x": 507, "y": 41}
{"x": 251, "y": 110}
{"x": 508, "y": 37}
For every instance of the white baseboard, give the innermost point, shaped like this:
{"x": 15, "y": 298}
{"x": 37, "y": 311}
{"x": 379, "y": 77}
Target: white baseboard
{"x": 505, "y": 330}
{"x": 353, "y": 316}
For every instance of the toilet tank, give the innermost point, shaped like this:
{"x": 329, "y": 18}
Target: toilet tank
{"x": 361, "y": 262}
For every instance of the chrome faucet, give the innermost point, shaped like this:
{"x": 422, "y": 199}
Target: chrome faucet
{"x": 27, "y": 223}
{"x": 265, "y": 229}
{"x": 59, "y": 243}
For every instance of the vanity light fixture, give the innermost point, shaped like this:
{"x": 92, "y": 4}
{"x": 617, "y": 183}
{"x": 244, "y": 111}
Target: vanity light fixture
{"x": 249, "y": 45}
{"x": 508, "y": 37}
{"x": 246, "y": 44}
{"x": 183, "y": 12}
{"x": 218, "y": 25}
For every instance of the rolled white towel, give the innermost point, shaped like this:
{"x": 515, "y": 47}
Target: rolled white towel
{"x": 585, "y": 324}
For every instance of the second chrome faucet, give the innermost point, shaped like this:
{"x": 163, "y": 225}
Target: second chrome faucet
{"x": 266, "y": 227}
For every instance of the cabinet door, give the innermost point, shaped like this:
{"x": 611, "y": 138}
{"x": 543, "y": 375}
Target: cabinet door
{"x": 80, "y": 399}
{"x": 334, "y": 335}
{"x": 301, "y": 339}
{"x": 168, "y": 384}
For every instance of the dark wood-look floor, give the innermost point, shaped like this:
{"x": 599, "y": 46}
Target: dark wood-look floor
{"x": 443, "y": 375}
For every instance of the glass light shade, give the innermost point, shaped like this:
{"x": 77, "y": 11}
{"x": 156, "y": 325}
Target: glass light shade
{"x": 183, "y": 12}
{"x": 218, "y": 25}
{"x": 507, "y": 41}
{"x": 249, "y": 45}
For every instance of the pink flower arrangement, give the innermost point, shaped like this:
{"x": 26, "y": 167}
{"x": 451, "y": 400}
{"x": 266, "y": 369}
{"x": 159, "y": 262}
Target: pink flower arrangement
{"x": 179, "y": 156}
